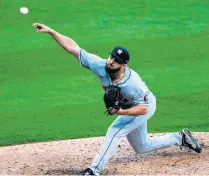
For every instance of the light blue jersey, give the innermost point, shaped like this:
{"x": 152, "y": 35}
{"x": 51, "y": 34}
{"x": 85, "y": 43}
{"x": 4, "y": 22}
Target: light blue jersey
{"x": 133, "y": 89}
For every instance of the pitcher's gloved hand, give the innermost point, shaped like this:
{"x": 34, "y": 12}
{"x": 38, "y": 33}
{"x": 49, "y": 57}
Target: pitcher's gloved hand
{"x": 112, "y": 99}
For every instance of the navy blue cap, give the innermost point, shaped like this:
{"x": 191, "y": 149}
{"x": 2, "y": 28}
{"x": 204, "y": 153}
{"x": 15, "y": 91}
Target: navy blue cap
{"x": 120, "y": 54}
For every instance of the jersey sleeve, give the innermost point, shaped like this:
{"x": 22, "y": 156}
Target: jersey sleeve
{"x": 140, "y": 90}
{"x": 88, "y": 60}
{"x": 138, "y": 98}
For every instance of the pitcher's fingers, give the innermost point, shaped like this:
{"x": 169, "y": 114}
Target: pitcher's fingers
{"x": 36, "y": 24}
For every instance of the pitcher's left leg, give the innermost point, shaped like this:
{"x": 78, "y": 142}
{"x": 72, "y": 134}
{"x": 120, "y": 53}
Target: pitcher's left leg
{"x": 119, "y": 128}
{"x": 122, "y": 126}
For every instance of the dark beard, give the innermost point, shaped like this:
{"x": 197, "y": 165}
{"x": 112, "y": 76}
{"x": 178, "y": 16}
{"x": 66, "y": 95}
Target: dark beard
{"x": 111, "y": 71}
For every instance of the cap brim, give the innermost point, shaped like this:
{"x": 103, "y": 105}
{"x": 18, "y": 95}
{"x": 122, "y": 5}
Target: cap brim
{"x": 118, "y": 58}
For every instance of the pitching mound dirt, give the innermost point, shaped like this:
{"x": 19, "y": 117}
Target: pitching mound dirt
{"x": 69, "y": 157}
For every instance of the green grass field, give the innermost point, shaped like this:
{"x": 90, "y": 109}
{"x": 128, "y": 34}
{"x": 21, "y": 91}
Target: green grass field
{"x": 46, "y": 95}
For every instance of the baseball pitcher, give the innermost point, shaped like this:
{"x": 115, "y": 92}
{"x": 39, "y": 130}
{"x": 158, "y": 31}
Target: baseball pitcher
{"x": 126, "y": 95}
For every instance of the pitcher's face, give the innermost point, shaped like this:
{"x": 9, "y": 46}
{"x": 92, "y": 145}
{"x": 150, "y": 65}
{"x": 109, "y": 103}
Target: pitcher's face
{"x": 112, "y": 66}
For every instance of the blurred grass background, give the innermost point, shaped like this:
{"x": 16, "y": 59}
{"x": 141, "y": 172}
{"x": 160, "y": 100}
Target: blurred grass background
{"x": 46, "y": 95}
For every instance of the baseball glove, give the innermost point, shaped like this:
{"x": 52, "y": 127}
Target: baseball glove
{"x": 112, "y": 99}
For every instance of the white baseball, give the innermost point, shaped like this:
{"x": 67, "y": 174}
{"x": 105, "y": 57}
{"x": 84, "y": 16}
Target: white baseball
{"x": 24, "y": 10}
